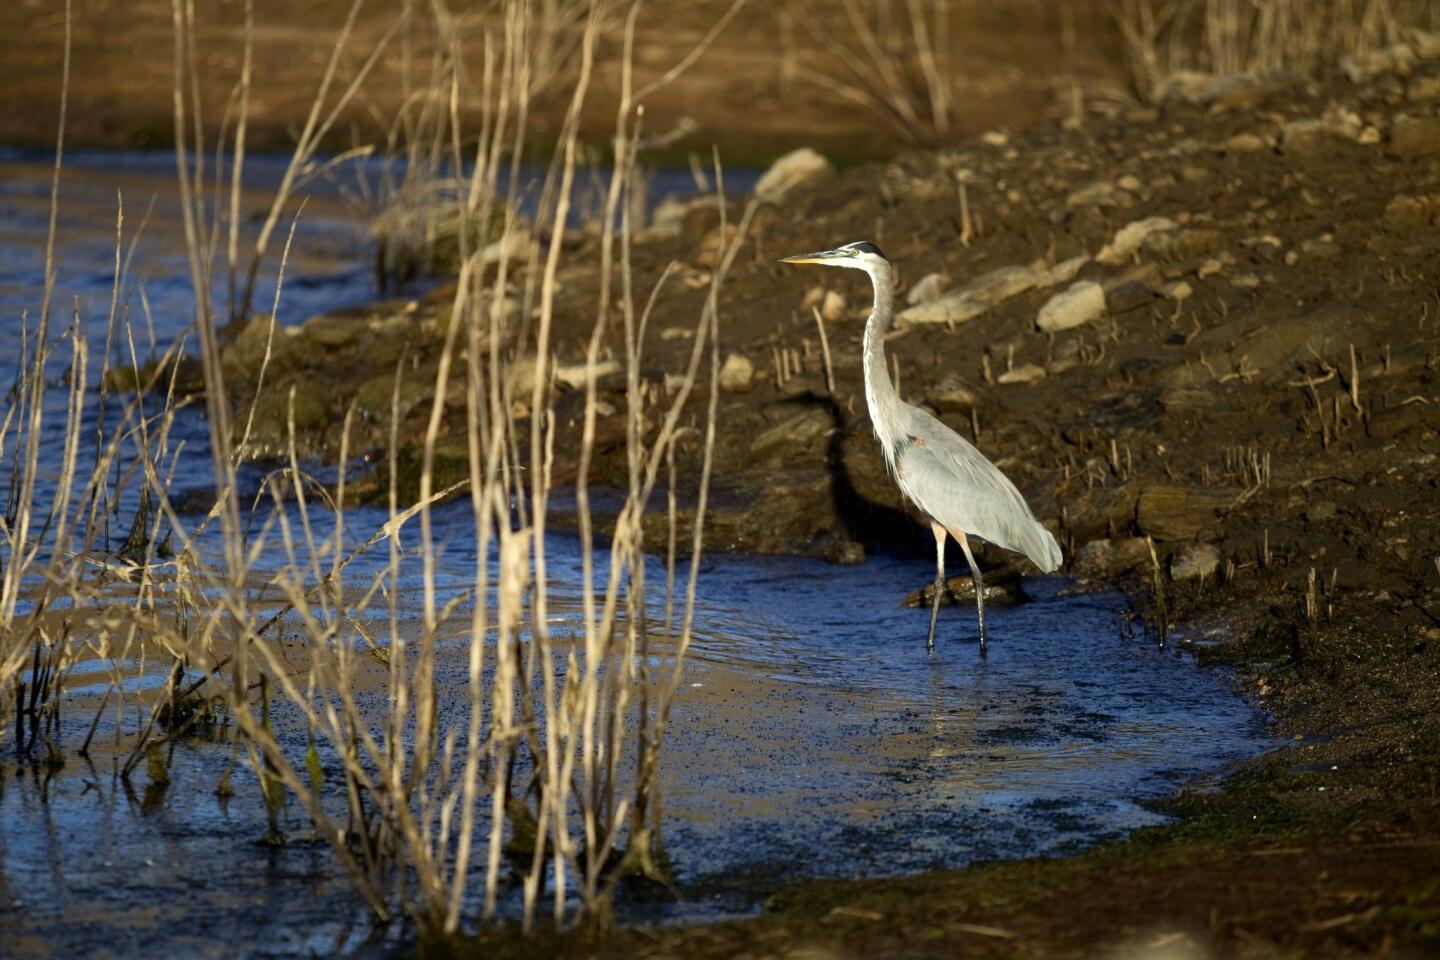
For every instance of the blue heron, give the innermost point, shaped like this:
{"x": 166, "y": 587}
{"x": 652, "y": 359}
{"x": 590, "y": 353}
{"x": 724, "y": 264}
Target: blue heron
{"x": 948, "y": 480}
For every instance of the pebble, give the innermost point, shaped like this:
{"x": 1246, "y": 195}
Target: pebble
{"x": 1178, "y": 290}
{"x": 1062, "y": 272}
{"x": 1127, "y": 239}
{"x": 1104, "y": 556}
{"x": 1245, "y": 143}
{"x": 834, "y": 306}
{"x": 974, "y": 298}
{"x": 1412, "y": 137}
{"x": 1360, "y": 67}
{"x": 1423, "y": 88}
{"x": 737, "y": 373}
{"x": 928, "y": 288}
{"x": 1194, "y": 561}
{"x": 790, "y": 171}
{"x": 1078, "y": 305}
{"x": 1025, "y": 373}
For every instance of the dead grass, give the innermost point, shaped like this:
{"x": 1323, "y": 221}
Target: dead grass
{"x": 551, "y": 765}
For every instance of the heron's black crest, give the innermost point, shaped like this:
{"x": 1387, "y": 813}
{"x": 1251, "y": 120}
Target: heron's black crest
{"x": 865, "y": 246}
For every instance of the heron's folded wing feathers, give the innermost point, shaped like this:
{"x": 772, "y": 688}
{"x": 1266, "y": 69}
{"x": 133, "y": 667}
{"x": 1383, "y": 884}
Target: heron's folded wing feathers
{"x": 954, "y": 483}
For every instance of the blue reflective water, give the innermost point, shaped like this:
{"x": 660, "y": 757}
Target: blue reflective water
{"x": 813, "y": 735}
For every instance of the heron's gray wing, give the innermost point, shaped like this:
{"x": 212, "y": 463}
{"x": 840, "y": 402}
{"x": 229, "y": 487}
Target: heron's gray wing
{"x": 953, "y": 482}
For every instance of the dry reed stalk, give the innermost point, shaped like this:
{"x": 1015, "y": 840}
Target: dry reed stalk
{"x": 898, "y": 71}
{"x": 1162, "y": 37}
{"x": 414, "y": 795}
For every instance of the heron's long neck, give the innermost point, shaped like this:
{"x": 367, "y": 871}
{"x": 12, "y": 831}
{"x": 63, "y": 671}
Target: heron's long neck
{"x": 880, "y": 393}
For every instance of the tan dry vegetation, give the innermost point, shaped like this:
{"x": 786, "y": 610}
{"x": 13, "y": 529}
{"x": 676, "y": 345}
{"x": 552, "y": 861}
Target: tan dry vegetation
{"x": 765, "y": 86}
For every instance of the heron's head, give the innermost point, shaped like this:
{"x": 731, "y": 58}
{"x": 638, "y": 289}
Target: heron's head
{"x": 857, "y": 256}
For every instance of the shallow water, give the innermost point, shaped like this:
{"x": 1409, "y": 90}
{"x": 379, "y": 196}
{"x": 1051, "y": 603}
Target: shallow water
{"x": 814, "y": 736}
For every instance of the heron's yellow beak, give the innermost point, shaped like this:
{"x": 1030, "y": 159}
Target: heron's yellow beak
{"x": 824, "y": 256}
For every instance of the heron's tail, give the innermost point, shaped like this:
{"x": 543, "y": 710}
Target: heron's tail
{"x": 1040, "y": 546}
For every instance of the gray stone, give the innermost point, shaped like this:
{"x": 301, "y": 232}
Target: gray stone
{"x": 1181, "y": 513}
{"x": 1128, "y": 239}
{"x": 974, "y": 298}
{"x": 790, "y": 171}
{"x": 1360, "y": 67}
{"x": 1082, "y": 303}
{"x": 1413, "y": 137}
{"x": 737, "y": 373}
{"x": 927, "y": 289}
{"x": 1423, "y": 88}
{"x": 1194, "y": 561}
{"x": 1024, "y": 373}
{"x": 1110, "y": 557}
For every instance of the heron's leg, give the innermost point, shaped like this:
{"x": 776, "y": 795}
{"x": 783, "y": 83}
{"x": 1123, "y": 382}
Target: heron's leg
{"x": 939, "y": 582}
{"x": 976, "y": 579}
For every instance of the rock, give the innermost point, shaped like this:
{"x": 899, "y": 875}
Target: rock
{"x": 1245, "y": 143}
{"x": 1423, "y": 88}
{"x": 833, "y": 308}
{"x": 1125, "y": 297}
{"x": 668, "y": 217}
{"x": 1311, "y": 136}
{"x": 513, "y": 246}
{"x": 1098, "y": 194}
{"x": 1025, "y": 373}
{"x": 1127, "y": 239}
{"x": 574, "y": 375}
{"x": 1403, "y": 418}
{"x": 1062, "y": 272}
{"x": 1129, "y": 182}
{"x": 1002, "y": 586}
{"x": 928, "y": 288}
{"x": 1361, "y": 67}
{"x": 790, "y": 171}
{"x": 701, "y": 219}
{"x": 1245, "y": 281}
{"x": 1181, "y": 513}
{"x": 737, "y": 373}
{"x": 1412, "y": 137}
{"x": 1324, "y": 246}
{"x": 1198, "y": 88}
{"x": 1181, "y": 244}
{"x": 720, "y": 238}
{"x": 813, "y": 298}
{"x": 844, "y": 551}
{"x": 951, "y": 394}
{"x": 1194, "y": 561}
{"x": 794, "y": 434}
{"x": 1425, "y": 43}
{"x": 974, "y": 298}
{"x": 1111, "y": 557}
{"x": 1178, "y": 290}
{"x": 1083, "y": 302}
{"x": 270, "y": 434}
{"x": 1407, "y": 212}
{"x": 155, "y": 376}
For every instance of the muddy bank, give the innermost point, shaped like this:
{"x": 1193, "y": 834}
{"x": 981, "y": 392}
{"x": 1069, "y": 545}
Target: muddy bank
{"x": 1213, "y": 324}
